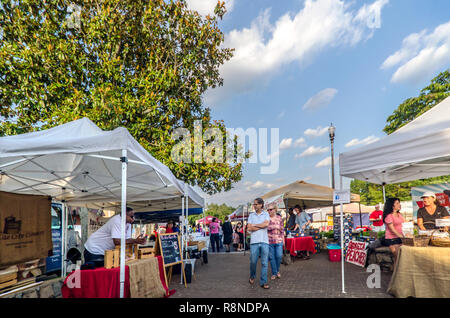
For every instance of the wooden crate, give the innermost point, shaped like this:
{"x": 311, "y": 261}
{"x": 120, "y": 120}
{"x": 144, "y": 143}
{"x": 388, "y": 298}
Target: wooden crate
{"x": 112, "y": 258}
{"x": 8, "y": 280}
{"x": 146, "y": 252}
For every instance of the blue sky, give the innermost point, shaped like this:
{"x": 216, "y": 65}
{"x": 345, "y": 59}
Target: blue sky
{"x": 300, "y": 65}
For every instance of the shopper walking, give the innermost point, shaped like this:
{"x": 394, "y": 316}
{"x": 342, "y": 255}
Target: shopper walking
{"x": 227, "y": 233}
{"x": 275, "y": 232}
{"x": 259, "y": 242}
{"x": 214, "y": 232}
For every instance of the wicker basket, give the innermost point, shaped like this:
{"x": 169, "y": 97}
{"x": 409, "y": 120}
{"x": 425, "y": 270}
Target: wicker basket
{"x": 418, "y": 241}
{"x": 440, "y": 242}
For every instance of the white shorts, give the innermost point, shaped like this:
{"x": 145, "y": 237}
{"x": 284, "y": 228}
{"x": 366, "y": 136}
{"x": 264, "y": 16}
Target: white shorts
{"x": 378, "y": 228}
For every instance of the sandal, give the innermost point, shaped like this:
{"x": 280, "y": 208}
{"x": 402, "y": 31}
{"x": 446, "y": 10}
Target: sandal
{"x": 251, "y": 281}
{"x": 273, "y": 277}
{"x": 278, "y": 275}
{"x": 265, "y": 286}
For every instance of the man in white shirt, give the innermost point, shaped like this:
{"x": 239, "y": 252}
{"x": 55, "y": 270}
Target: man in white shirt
{"x": 108, "y": 237}
{"x": 259, "y": 242}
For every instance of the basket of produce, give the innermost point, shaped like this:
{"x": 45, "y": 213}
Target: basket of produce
{"x": 440, "y": 239}
{"x": 417, "y": 241}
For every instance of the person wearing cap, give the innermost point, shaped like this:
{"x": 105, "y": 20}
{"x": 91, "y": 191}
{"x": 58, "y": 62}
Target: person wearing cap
{"x": 108, "y": 237}
{"x": 376, "y": 217}
{"x": 432, "y": 210}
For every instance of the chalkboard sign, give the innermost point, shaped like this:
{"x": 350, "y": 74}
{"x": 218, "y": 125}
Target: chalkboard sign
{"x": 170, "y": 249}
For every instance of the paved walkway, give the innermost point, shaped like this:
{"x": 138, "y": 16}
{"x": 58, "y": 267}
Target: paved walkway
{"x": 226, "y": 275}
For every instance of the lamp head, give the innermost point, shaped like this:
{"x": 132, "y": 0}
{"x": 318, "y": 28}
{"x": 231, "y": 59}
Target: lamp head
{"x": 331, "y": 131}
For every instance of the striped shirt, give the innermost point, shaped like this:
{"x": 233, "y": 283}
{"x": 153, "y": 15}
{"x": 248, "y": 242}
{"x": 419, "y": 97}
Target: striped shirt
{"x": 275, "y": 230}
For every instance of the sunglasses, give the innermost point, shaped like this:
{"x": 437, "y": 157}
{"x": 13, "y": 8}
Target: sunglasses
{"x": 270, "y": 209}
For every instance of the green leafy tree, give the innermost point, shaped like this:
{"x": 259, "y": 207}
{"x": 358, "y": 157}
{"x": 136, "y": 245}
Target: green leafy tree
{"x": 140, "y": 64}
{"x": 216, "y": 210}
{"x": 411, "y": 108}
{"x": 407, "y": 111}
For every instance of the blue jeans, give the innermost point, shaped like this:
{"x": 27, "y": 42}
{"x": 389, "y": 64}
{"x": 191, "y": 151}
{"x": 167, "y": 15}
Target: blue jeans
{"x": 258, "y": 250}
{"x": 275, "y": 255}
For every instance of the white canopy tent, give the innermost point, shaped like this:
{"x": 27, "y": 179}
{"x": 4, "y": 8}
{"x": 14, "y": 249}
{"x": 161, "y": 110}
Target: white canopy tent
{"x": 80, "y": 164}
{"x": 418, "y": 150}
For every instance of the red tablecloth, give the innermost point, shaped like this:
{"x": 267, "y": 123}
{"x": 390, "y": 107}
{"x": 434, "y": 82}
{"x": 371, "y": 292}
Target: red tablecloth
{"x": 305, "y": 243}
{"x": 104, "y": 283}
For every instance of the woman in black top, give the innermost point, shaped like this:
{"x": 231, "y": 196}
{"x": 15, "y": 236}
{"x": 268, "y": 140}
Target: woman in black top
{"x": 426, "y": 216}
{"x": 227, "y": 233}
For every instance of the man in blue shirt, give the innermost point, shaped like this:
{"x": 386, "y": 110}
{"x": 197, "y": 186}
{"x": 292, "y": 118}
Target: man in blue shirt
{"x": 259, "y": 242}
{"x": 302, "y": 222}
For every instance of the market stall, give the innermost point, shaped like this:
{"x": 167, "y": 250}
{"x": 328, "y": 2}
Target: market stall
{"x": 421, "y": 272}
{"x": 305, "y": 194}
{"x": 418, "y": 150}
{"x": 295, "y": 244}
{"x": 82, "y": 165}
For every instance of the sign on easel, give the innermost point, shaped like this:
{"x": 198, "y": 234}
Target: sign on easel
{"x": 169, "y": 248}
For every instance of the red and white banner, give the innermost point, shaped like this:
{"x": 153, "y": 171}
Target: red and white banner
{"x": 356, "y": 253}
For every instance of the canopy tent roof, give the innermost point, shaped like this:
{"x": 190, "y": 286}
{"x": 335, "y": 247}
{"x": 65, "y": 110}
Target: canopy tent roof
{"x": 307, "y": 195}
{"x": 163, "y": 216}
{"x": 208, "y": 219}
{"x": 352, "y": 208}
{"x": 418, "y": 150}
{"x": 240, "y": 213}
{"x": 81, "y": 164}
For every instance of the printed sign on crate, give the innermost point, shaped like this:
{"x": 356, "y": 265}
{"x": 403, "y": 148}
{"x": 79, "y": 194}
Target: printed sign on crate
{"x": 356, "y": 253}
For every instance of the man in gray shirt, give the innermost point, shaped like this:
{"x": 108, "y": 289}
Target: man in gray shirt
{"x": 259, "y": 242}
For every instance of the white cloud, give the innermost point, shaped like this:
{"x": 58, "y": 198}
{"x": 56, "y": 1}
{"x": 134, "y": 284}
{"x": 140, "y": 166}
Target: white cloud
{"x": 312, "y": 151}
{"x": 307, "y": 178}
{"x": 324, "y": 163}
{"x": 258, "y": 185}
{"x": 281, "y": 115}
{"x": 205, "y": 7}
{"x": 321, "y": 99}
{"x": 286, "y": 143}
{"x": 241, "y": 193}
{"x": 263, "y": 48}
{"x": 300, "y": 142}
{"x": 365, "y": 141}
{"x": 319, "y": 131}
{"x": 421, "y": 56}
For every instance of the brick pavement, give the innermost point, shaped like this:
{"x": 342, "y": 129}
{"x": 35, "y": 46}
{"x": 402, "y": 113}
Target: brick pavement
{"x": 226, "y": 275}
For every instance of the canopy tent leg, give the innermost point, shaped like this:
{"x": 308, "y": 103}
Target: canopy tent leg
{"x": 63, "y": 240}
{"x": 182, "y": 233}
{"x": 342, "y": 245}
{"x": 384, "y": 193}
{"x": 186, "y": 212}
{"x": 360, "y": 216}
{"x": 245, "y": 232}
{"x": 123, "y": 222}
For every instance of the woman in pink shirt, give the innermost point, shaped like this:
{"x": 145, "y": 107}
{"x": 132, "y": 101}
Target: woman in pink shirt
{"x": 214, "y": 236}
{"x": 275, "y": 231}
{"x": 393, "y": 221}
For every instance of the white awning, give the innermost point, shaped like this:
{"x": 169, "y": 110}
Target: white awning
{"x": 418, "y": 150}
{"x": 81, "y": 164}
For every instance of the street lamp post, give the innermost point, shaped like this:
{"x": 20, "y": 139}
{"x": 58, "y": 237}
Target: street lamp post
{"x": 331, "y": 131}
